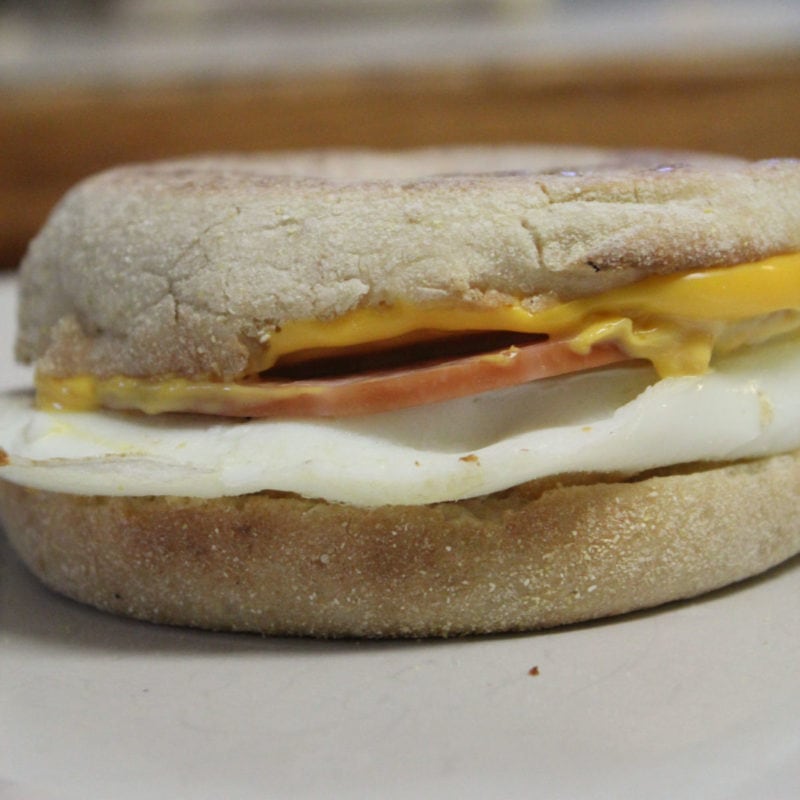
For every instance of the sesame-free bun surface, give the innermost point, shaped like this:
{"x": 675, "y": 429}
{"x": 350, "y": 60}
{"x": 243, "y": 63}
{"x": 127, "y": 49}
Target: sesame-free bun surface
{"x": 542, "y": 554}
{"x": 185, "y": 267}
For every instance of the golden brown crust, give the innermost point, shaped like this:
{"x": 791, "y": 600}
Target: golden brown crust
{"x": 185, "y": 267}
{"x": 540, "y": 555}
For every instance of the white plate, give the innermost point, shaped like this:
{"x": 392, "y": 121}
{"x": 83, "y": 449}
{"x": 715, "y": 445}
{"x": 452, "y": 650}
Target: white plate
{"x": 695, "y": 700}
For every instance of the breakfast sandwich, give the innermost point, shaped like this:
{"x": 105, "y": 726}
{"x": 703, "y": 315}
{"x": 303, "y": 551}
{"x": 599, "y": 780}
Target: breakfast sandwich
{"x": 423, "y": 393}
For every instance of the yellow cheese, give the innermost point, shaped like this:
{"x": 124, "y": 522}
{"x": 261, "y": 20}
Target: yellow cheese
{"x": 674, "y": 321}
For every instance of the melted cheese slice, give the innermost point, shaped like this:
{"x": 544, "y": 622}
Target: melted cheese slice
{"x": 617, "y": 419}
{"x": 674, "y": 321}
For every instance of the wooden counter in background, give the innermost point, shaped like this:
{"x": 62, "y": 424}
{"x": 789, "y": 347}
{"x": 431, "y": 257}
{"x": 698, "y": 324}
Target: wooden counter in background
{"x": 51, "y": 137}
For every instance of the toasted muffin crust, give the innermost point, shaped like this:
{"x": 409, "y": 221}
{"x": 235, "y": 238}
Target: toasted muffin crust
{"x": 185, "y": 267}
{"x": 547, "y": 553}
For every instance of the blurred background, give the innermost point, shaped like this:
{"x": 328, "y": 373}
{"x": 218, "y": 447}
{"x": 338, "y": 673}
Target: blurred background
{"x": 85, "y": 84}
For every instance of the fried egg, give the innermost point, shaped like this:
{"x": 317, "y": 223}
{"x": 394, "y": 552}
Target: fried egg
{"x": 620, "y": 419}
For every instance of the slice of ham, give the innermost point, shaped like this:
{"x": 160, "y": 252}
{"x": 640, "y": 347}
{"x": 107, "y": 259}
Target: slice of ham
{"x": 375, "y": 391}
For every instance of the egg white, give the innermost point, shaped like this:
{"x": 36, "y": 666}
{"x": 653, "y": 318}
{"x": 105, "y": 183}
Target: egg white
{"x": 615, "y": 419}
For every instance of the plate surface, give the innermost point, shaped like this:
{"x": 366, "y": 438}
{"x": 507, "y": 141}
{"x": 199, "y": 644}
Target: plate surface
{"x": 697, "y": 699}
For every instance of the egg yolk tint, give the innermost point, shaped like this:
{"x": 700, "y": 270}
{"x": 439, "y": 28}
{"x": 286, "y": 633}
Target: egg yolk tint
{"x": 380, "y": 359}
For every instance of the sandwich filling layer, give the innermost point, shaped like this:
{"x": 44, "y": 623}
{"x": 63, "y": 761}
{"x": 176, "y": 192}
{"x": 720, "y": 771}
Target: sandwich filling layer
{"x": 697, "y": 366}
{"x": 618, "y": 419}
